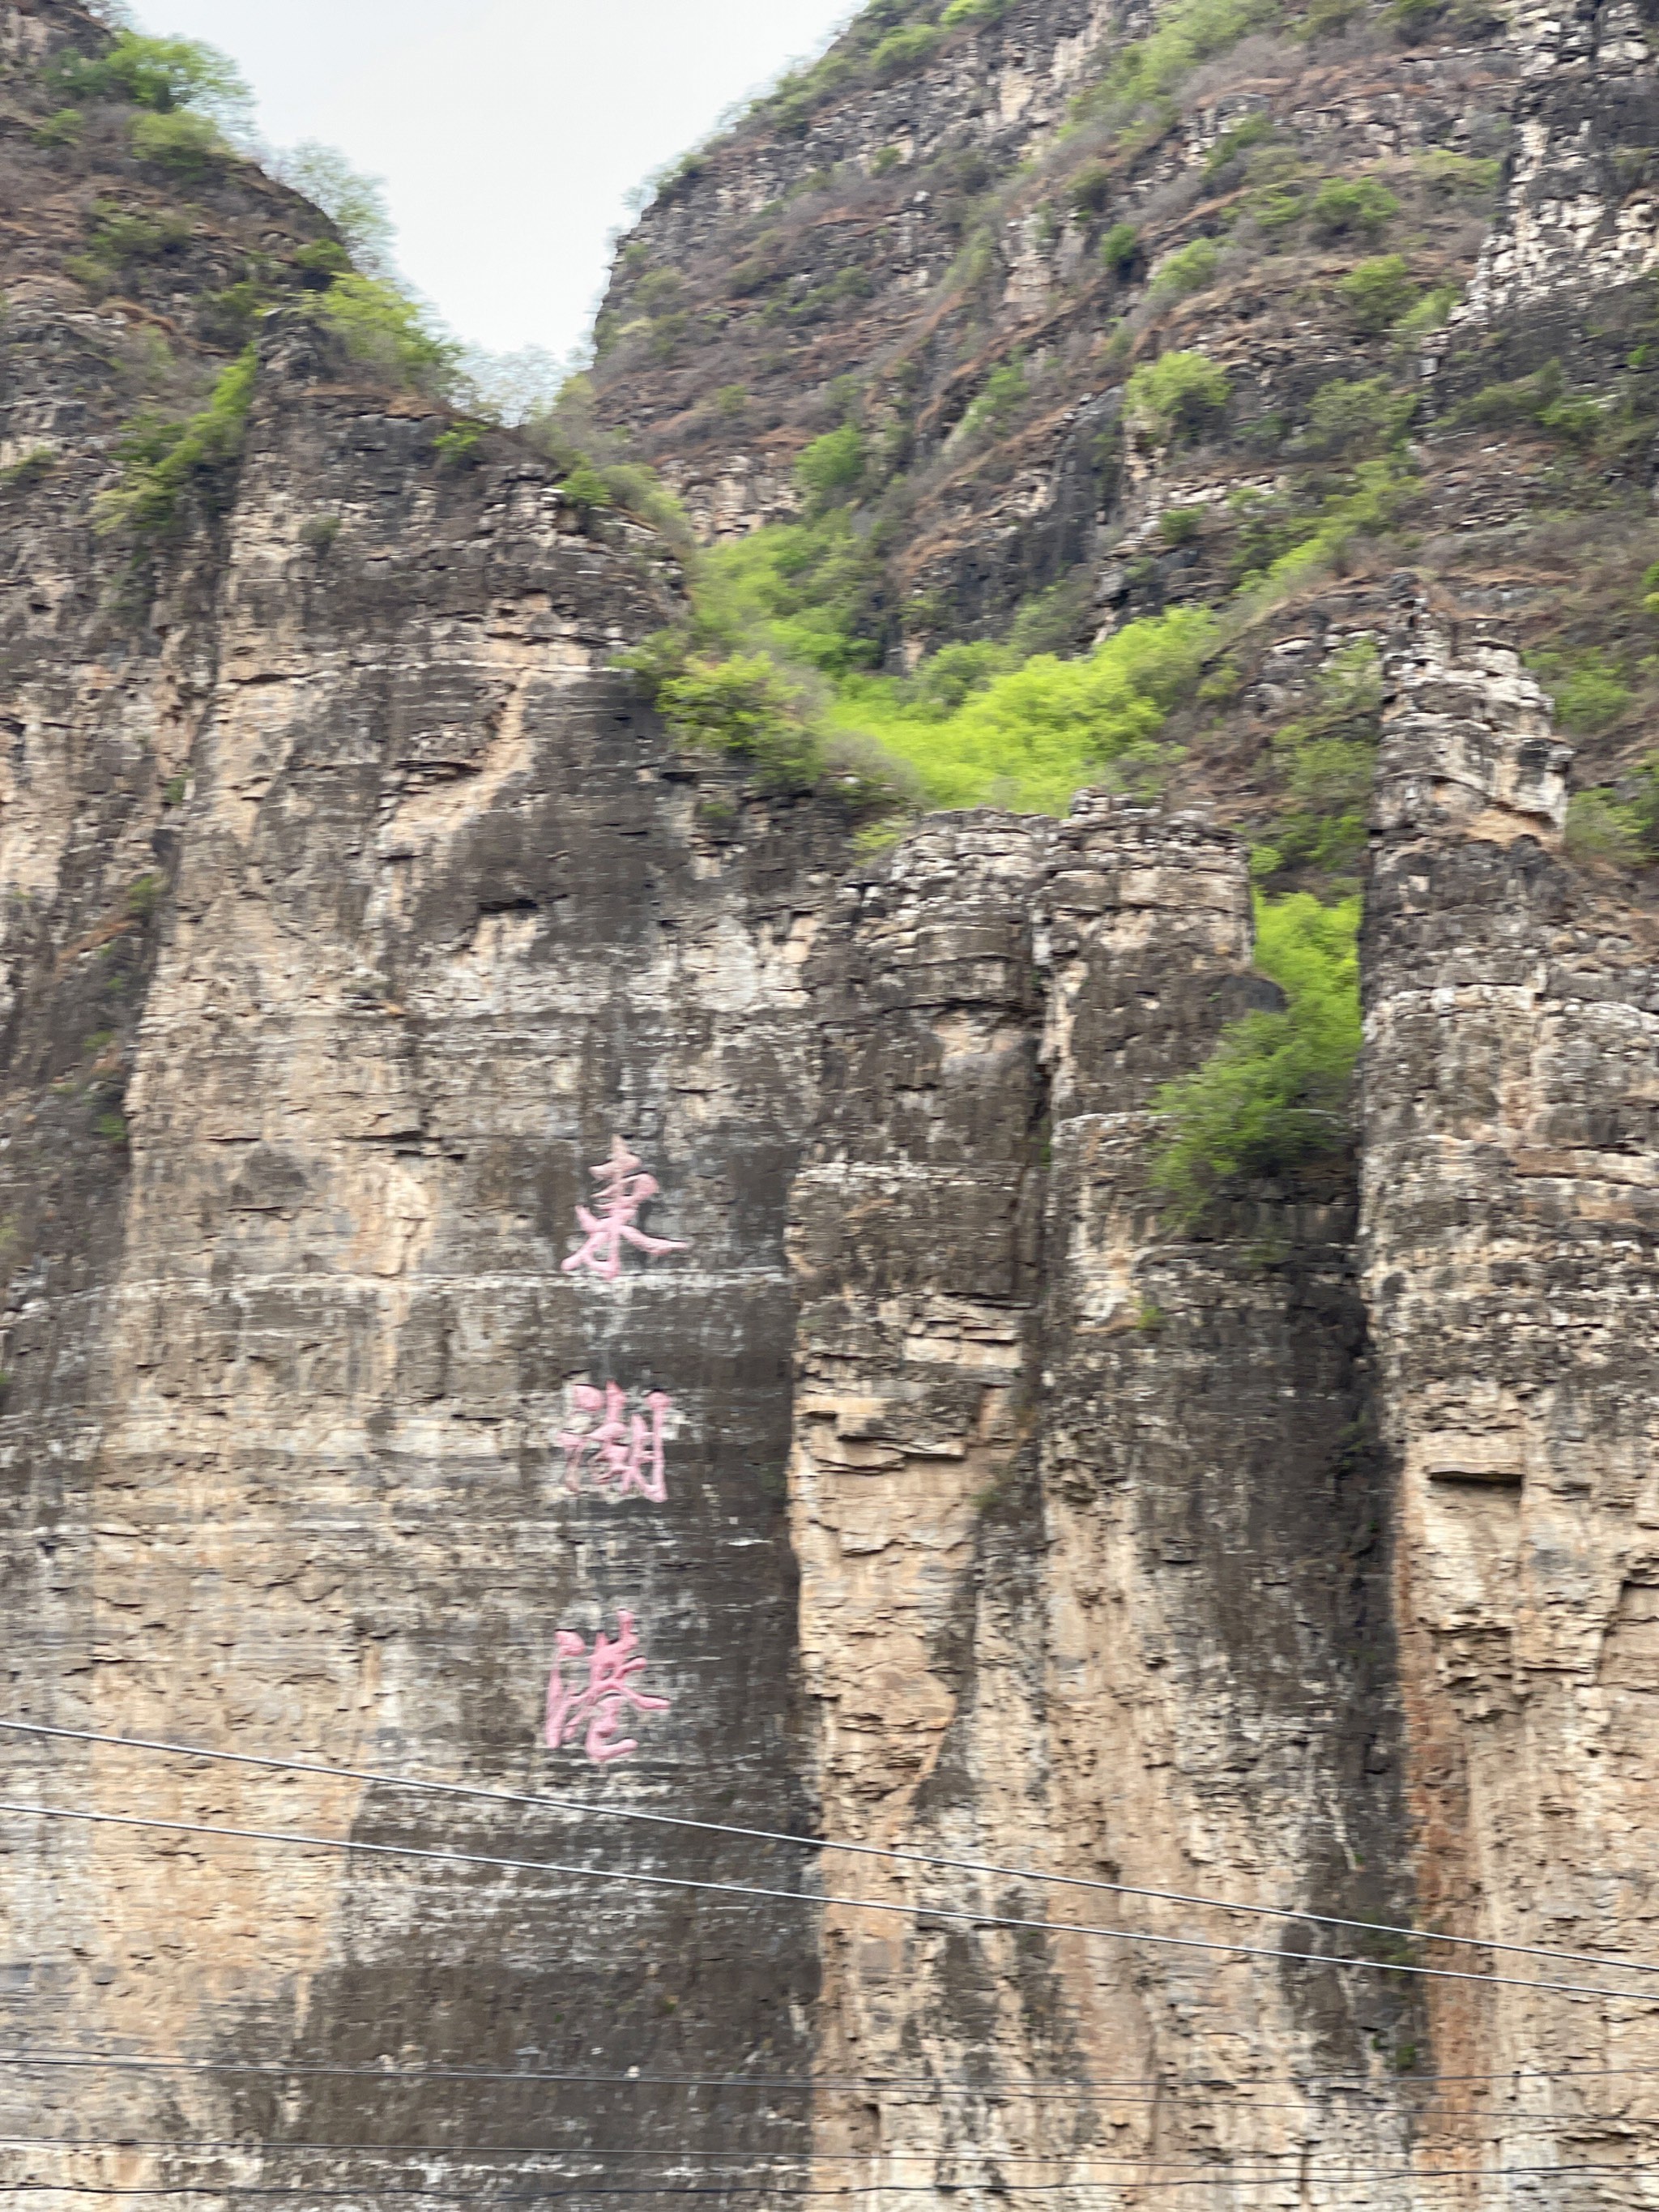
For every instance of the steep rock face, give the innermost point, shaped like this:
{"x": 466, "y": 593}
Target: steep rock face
{"x": 357, "y": 909}
{"x": 1510, "y": 1267}
{"x": 1093, "y": 1580}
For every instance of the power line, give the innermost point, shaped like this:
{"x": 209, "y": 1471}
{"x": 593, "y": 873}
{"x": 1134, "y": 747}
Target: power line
{"x": 1220, "y": 2180}
{"x": 1058, "y": 2084}
{"x": 811, "y": 1843}
{"x": 710, "y": 2154}
{"x": 935, "y": 1912}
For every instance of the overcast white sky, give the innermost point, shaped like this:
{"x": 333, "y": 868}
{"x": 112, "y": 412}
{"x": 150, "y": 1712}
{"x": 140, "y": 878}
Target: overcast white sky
{"x": 508, "y": 132}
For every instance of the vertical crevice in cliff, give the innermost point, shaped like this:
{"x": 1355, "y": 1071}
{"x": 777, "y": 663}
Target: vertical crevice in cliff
{"x": 1509, "y": 1233}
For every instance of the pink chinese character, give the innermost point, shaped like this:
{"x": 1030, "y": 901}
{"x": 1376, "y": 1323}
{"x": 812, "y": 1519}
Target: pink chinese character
{"x": 623, "y": 1191}
{"x": 602, "y": 1706}
{"x": 626, "y": 1453}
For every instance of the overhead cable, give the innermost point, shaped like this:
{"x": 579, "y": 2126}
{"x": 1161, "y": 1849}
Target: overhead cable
{"x": 277, "y": 1765}
{"x": 940, "y": 1913}
{"x": 712, "y": 2154}
{"x": 1220, "y": 2180}
{"x": 1050, "y": 2085}
{"x": 952, "y": 1915}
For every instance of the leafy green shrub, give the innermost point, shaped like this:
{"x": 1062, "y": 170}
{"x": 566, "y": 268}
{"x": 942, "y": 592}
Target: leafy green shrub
{"x": 30, "y": 469}
{"x": 1005, "y": 391}
{"x": 731, "y": 403}
{"x": 320, "y": 261}
{"x": 1377, "y": 293}
{"x": 1600, "y": 827}
{"x": 1120, "y": 249}
{"x": 318, "y": 533}
{"x": 456, "y": 446}
{"x": 189, "y": 145}
{"x": 1588, "y": 688}
{"x": 1283, "y": 539}
{"x": 1280, "y": 183}
{"x": 1091, "y": 190}
{"x": 388, "y": 332}
{"x": 1541, "y": 398}
{"x": 120, "y": 239}
{"x": 1179, "y": 394}
{"x": 1190, "y": 268}
{"x": 743, "y": 705}
{"x": 832, "y": 466}
{"x": 1458, "y": 172}
{"x": 354, "y": 204}
{"x": 66, "y": 128}
{"x": 160, "y": 460}
{"x": 1188, "y": 31}
{"x": 1327, "y": 760}
{"x": 1274, "y": 1096}
{"x": 1431, "y": 313}
{"x": 1032, "y": 737}
{"x": 1253, "y": 130}
{"x": 159, "y": 74}
{"x": 1352, "y": 207}
{"x": 1179, "y": 526}
{"x": 974, "y": 11}
{"x": 586, "y": 489}
{"x": 906, "y": 48}
{"x": 1353, "y": 418}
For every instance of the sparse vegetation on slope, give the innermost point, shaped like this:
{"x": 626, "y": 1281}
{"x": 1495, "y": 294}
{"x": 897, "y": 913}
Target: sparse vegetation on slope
{"x": 1275, "y": 1096}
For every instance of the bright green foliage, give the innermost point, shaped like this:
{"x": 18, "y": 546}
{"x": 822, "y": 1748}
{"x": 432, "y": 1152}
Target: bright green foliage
{"x": 832, "y": 466}
{"x": 189, "y": 145}
{"x": 1377, "y": 293}
{"x": 1602, "y": 827}
{"x": 904, "y": 49}
{"x": 159, "y": 74}
{"x": 1179, "y": 394}
{"x": 802, "y": 591}
{"x": 1459, "y": 172}
{"x": 1328, "y": 761}
{"x": 1190, "y": 268}
{"x": 585, "y": 488}
{"x": 1541, "y": 398}
{"x": 1431, "y": 313}
{"x": 1120, "y": 249}
{"x": 1283, "y": 539}
{"x": 974, "y": 11}
{"x": 1032, "y": 739}
{"x": 1589, "y": 690}
{"x": 1253, "y": 130}
{"x": 743, "y": 705}
{"x": 1345, "y": 207}
{"x": 388, "y": 332}
{"x": 1180, "y": 526}
{"x": 1188, "y": 31}
{"x": 160, "y": 460}
{"x": 1005, "y": 393}
{"x": 1275, "y": 1094}
{"x": 455, "y": 446}
{"x": 66, "y": 128}
{"x": 1364, "y": 417}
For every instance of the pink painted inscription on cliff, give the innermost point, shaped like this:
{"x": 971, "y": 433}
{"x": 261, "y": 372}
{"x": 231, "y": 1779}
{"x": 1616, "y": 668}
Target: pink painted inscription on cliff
{"x": 604, "y": 1705}
{"x": 623, "y": 1449}
{"x": 614, "y": 1219}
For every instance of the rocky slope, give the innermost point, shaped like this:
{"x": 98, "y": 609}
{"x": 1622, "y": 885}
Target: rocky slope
{"x": 920, "y": 1484}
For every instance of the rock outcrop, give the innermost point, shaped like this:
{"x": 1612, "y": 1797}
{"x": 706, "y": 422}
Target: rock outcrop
{"x": 535, "y": 1261}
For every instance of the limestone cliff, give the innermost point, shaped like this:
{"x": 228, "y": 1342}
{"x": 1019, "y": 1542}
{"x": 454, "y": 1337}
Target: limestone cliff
{"x": 492, "y": 1193}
